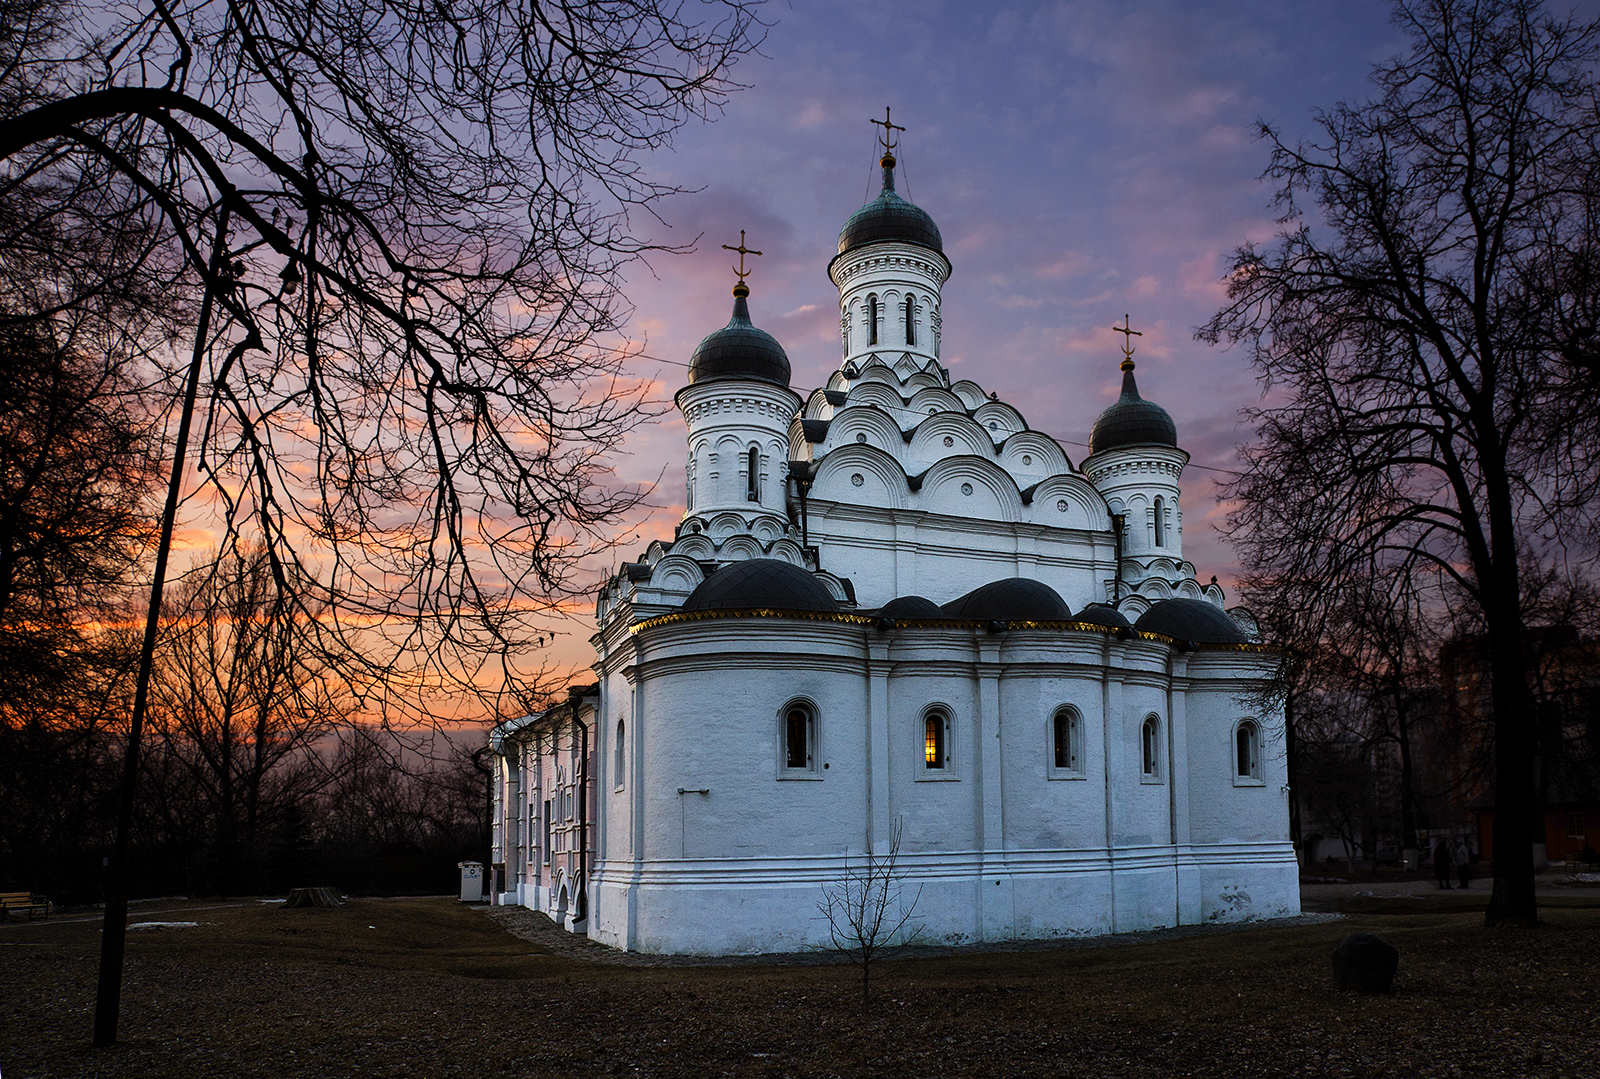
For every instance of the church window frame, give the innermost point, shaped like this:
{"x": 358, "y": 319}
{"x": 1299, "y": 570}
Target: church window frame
{"x": 1064, "y": 743}
{"x": 936, "y": 734}
{"x": 1245, "y": 753}
{"x": 1151, "y": 760}
{"x": 752, "y": 489}
{"x": 799, "y": 754}
{"x": 619, "y": 756}
{"x": 872, "y": 318}
{"x": 1161, "y": 521}
{"x": 911, "y": 320}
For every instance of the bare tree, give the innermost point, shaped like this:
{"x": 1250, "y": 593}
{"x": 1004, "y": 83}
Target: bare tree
{"x": 1418, "y": 371}
{"x": 240, "y": 706}
{"x": 868, "y": 916}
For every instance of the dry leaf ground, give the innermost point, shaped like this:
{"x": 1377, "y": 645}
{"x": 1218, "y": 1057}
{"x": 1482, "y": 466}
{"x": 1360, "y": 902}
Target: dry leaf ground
{"x": 426, "y": 987}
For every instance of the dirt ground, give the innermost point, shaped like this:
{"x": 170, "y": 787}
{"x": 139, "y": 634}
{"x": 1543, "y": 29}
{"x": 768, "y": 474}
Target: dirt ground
{"x": 427, "y": 987}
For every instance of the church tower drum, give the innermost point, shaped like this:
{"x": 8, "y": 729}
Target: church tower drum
{"x": 1135, "y": 462}
{"x": 737, "y": 407}
{"x": 889, "y": 270}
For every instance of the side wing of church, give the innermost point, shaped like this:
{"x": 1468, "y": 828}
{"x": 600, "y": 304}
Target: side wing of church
{"x": 893, "y": 608}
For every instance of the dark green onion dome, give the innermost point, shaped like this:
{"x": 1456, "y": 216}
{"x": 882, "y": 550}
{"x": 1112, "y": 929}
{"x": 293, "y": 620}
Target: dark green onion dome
{"x": 1132, "y": 421}
{"x": 1015, "y": 599}
{"x": 1191, "y": 620}
{"x": 769, "y": 583}
{"x": 890, "y": 217}
{"x": 739, "y": 350}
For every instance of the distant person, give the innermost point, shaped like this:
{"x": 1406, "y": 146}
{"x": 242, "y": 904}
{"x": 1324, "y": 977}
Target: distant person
{"x": 1441, "y": 864}
{"x": 1463, "y": 862}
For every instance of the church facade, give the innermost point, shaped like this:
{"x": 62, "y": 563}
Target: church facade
{"x": 894, "y": 611}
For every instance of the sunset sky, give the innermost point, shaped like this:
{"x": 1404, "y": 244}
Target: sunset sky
{"x": 1082, "y": 159}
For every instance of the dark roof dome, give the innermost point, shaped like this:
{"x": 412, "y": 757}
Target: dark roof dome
{"x": 911, "y": 607}
{"x": 890, "y": 217}
{"x": 1131, "y": 420}
{"x": 1014, "y": 599}
{"x": 761, "y": 582}
{"x": 739, "y": 350}
{"x": 1103, "y": 614}
{"x": 1191, "y": 620}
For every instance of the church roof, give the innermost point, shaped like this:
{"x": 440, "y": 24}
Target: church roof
{"x": 1014, "y": 599}
{"x": 1191, "y": 620}
{"x": 1103, "y": 614}
{"x": 1132, "y": 421}
{"x": 890, "y": 217}
{"x": 740, "y": 350}
{"x": 911, "y": 607}
{"x": 769, "y": 583}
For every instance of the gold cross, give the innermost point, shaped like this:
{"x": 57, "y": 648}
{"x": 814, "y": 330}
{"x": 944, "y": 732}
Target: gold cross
{"x": 887, "y": 138}
{"x": 1127, "y": 338}
{"x": 743, "y": 251}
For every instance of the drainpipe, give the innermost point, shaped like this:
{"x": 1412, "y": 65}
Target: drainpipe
{"x": 1119, "y": 521}
{"x": 803, "y": 478}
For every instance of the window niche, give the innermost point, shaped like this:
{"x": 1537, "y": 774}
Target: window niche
{"x": 1150, "y": 749}
{"x": 619, "y": 757}
{"x": 911, "y": 317}
{"x": 1247, "y": 754}
{"x": 936, "y": 745}
{"x": 752, "y": 492}
{"x": 797, "y": 741}
{"x": 1066, "y": 744}
{"x": 872, "y": 318}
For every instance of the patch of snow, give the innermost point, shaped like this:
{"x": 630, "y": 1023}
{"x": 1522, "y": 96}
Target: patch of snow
{"x": 165, "y": 925}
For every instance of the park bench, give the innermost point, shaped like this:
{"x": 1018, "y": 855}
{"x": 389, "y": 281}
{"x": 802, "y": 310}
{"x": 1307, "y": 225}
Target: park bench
{"x": 23, "y": 901}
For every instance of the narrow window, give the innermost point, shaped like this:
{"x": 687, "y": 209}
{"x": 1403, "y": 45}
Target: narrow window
{"x": 618, "y": 757}
{"x": 911, "y": 326}
{"x": 797, "y": 738}
{"x": 753, "y": 480}
{"x": 1161, "y": 525}
{"x": 933, "y": 734}
{"x": 1245, "y": 751}
{"x": 872, "y": 318}
{"x": 547, "y": 831}
{"x": 1066, "y": 740}
{"x": 1152, "y": 747}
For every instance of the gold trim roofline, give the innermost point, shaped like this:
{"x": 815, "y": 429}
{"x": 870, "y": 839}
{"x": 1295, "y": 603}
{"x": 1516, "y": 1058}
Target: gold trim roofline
{"x": 677, "y": 617}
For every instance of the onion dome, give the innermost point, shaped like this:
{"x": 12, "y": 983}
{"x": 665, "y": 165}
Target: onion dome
{"x": 890, "y": 217}
{"x": 739, "y": 350}
{"x": 1103, "y": 614}
{"x": 761, "y": 583}
{"x": 911, "y": 607}
{"x": 1014, "y": 599}
{"x": 1131, "y": 420}
{"x": 1191, "y": 620}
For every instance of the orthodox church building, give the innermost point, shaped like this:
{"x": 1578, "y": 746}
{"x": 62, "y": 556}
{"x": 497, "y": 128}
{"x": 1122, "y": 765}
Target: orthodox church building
{"x": 895, "y": 612}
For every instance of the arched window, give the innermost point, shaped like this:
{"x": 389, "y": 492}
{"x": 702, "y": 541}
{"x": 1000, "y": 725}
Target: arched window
{"x": 798, "y": 738}
{"x": 1161, "y": 524}
{"x": 1066, "y": 738}
{"x": 934, "y": 730}
{"x": 1247, "y": 751}
{"x": 619, "y": 757}
{"x": 872, "y": 318}
{"x": 911, "y": 315}
{"x": 753, "y": 475}
{"x": 1151, "y": 739}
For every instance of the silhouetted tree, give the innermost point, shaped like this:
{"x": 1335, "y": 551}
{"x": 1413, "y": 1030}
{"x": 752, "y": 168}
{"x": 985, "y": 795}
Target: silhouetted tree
{"x": 1415, "y": 372}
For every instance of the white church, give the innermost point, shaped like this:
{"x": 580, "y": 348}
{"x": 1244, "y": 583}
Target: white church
{"x": 893, "y": 607}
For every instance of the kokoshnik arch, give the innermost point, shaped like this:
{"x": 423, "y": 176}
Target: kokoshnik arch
{"x": 892, "y": 601}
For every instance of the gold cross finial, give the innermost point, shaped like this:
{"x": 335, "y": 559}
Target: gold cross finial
{"x": 887, "y": 139}
{"x": 743, "y": 251}
{"x": 1127, "y": 342}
